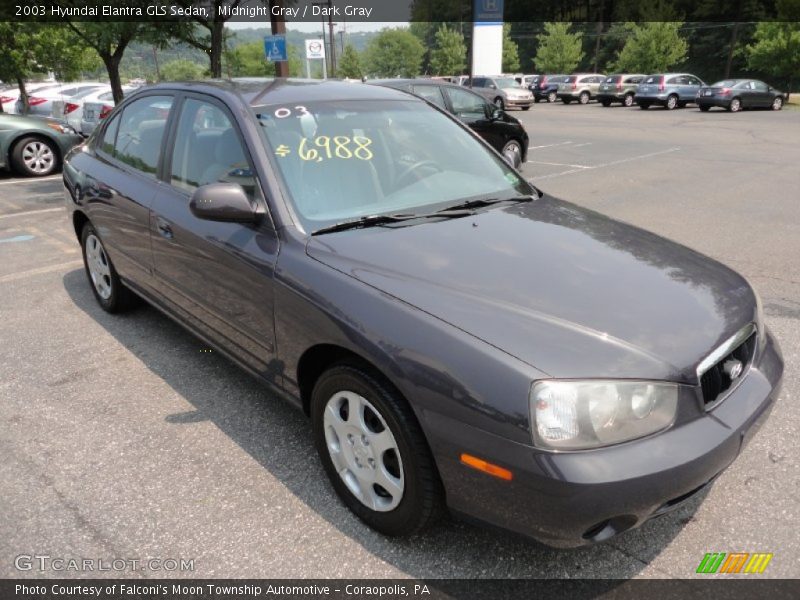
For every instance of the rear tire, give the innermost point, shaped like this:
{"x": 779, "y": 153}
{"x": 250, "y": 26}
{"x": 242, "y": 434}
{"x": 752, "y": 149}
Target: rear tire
{"x": 606, "y": 103}
{"x": 109, "y": 291}
{"x": 735, "y": 105}
{"x": 584, "y": 98}
{"x": 644, "y": 105}
{"x": 552, "y": 97}
{"x": 628, "y": 100}
{"x": 34, "y": 156}
{"x": 413, "y": 498}
{"x": 705, "y": 108}
{"x": 671, "y": 103}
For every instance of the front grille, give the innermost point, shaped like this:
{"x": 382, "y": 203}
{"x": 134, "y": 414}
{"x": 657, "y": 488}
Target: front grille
{"x": 717, "y": 379}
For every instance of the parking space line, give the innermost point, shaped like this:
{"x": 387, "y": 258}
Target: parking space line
{"x": 581, "y": 145}
{"x": 32, "y": 180}
{"x": 31, "y": 212}
{"x": 40, "y": 271}
{"x": 54, "y": 241}
{"x": 608, "y": 164}
{"x": 549, "y": 145}
{"x": 555, "y": 164}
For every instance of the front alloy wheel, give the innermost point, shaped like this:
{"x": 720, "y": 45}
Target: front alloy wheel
{"x": 777, "y": 104}
{"x": 672, "y": 103}
{"x": 512, "y": 152}
{"x": 551, "y": 97}
{"x": 735, "y": 105}
{"x": 374, "y": 452}
{"x": 628, "y": 100}
{"x": 34, "y": 157}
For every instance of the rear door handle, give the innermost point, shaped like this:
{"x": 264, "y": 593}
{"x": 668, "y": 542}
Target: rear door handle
{"x": 164, "y": 228}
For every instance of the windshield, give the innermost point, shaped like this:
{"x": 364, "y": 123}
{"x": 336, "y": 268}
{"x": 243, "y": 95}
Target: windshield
{"x": 506, "y": 82}
{"x": 343, "y": 160}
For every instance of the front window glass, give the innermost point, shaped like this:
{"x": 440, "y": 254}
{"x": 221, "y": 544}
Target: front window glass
{"x": 466, "y": 104}
{"x": 342, "y": 160}
{"x": 506, "y": 82}
{"x": 431, "y": 93}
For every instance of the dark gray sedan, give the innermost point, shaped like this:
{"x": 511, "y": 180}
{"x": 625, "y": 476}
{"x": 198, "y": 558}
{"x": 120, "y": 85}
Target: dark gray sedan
{"x": 738, "y": 94}
{"x": 459, "y": 339}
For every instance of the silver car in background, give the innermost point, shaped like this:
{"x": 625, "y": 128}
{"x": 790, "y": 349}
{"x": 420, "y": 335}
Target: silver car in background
{"x": 503, "y": 92}
{"x": 96, "y": 107}
{"x": 580, "y": 86}
{"x": 670, "y": 90}
{"x": 40, "y": 102}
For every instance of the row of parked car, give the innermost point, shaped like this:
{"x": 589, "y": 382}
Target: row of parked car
{"x": 81, "y": 105}
{"x": 670, "y": 90}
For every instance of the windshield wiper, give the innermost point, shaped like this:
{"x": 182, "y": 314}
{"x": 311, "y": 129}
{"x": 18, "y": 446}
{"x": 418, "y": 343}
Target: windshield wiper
{"x": 373, "y": 220}
{"x": 470, "y": 204}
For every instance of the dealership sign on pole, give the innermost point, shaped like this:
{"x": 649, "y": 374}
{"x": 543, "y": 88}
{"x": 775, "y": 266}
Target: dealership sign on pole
{"x": 315, "y": 50}
{"x": 487, "y": 37}
{"x": 275, "y": 48}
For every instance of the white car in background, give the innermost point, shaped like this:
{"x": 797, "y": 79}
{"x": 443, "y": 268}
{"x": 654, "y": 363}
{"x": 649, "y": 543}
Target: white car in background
{"x": 96, "y": 106}
{"x": 10, "y": 95}
{"x": 40, "y": 102}
{"x": 71, "y": 109}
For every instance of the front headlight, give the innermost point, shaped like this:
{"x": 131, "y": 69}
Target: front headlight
{"x": 576, "y": 415}
{"x": 61, "y": 128}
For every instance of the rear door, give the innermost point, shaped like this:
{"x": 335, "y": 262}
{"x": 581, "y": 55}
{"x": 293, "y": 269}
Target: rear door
{"x": 761, "y": 95}
{"x": 122, "y": 182}
{"x": 218, "y": 273}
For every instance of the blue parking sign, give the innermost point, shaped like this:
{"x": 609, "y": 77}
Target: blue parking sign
{"x": 275, "y": 48}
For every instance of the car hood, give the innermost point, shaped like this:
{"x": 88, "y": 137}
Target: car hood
{"x": 567, "y": 290}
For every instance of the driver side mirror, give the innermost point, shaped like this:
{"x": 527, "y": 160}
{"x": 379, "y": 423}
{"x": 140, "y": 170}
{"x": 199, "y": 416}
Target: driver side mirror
{"x": 223, "y": 202}
{"x": 492, "y": 86}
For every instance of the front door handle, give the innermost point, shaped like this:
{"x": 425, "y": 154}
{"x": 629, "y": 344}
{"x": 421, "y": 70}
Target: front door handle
{"x": 164, "y": 228}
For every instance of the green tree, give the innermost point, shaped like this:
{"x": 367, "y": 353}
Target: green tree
{"x": 208, "y": 34}
{"x": 350, "y": 64}
{"x": 776, "y": 50}
{"x": 449, "y": 57}
{"x": 510, "y": 51}
{"x": 559, "y": 51}
{"x": 393, "y": 53}
{"x": 31, "y": 48}
{"x": 652, "y": 47}
{"x": 181, "y": 70}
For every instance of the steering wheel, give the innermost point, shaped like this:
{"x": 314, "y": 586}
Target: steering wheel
{"x": 411, "y": 168}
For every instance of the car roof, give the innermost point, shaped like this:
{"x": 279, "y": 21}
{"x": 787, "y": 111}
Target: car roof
{"x": 417, "y": 81}
{"x": 262, "y": 91}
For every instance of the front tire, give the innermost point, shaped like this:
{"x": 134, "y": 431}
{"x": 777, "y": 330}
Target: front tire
{"x": 512, "y": 151}
{"x": 644, "y": 105}
{"x": 584, "y": 98}
{"x": 374, "y": 452}
{"x": 110, "y": 293}
{"x": 671, "y": 103}
{"x": 606, "y": 103}
{"x": 705, "y": 108}
{"x": 525, "y": 107}
{"x": 498, "y": 102}
{"x": 551, "y": 97}
{"x": 735, "y": 105}
{"x": 566, "y": 100}
{"x": 777, "y": 104}
{"x": 628, "y": 100}
{"x": 34, "y": 157}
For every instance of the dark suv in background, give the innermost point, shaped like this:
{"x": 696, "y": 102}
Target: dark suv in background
{"x": 545, "y": 87}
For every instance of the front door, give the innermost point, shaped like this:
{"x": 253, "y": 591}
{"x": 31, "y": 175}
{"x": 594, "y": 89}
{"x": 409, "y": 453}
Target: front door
{"x": 220, "y": 273}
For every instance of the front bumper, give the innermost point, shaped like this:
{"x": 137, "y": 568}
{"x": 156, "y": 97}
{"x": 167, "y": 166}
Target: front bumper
{"x": 518, "y": 102}
{"x": 571, "y": 499}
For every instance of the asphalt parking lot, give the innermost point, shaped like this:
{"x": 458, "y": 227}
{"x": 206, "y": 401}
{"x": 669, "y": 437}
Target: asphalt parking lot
{"x": 123, "y": 437}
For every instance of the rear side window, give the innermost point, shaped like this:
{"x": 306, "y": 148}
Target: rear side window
{"x": 635, "y": 79}
{"x": 570, "y": 79}
{"x": 141, "y": 132}
{"x": 431, "y": 93}
{"x": 110, "y": 136}
{"x": 652, "y": 79}
{"x": 613, "y": 79}
{"x": 466, "y": 104}
{"x": 208, "y": 150}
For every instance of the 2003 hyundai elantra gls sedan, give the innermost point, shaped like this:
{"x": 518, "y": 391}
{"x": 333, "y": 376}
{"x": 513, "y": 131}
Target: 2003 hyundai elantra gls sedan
{"x": 458, "y": 338}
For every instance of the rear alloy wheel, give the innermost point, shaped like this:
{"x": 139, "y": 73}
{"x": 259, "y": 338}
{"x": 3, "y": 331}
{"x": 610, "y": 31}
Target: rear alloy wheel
{"x": 110, "y": 292}
{"x": 498, "y": 102}
{"x": 672, "y": 103}
{"x": 551, "y": 97}
{"x": 584, "y": 98}
{"x": 512, "y": 152}
{"x": 777, "y": 104}
{"x": 735, "y": 105}
{"x": 628, "y": 100}
{"x": 34, "y": 157}
{"x": 374, "y": 451}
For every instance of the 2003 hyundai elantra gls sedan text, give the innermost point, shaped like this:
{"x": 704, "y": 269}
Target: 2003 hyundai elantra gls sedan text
{"x": 458, "y": 338}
